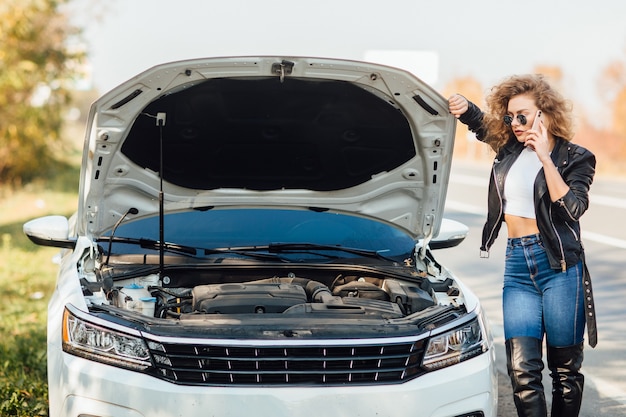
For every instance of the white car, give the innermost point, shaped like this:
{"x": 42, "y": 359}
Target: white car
{"x": 253, "y": 237}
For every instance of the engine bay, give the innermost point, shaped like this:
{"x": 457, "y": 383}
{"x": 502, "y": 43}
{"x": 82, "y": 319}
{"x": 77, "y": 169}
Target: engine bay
{"x": 348, "y": 295}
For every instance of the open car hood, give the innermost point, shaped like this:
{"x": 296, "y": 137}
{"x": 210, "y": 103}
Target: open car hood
{"x": 288, "y": 132}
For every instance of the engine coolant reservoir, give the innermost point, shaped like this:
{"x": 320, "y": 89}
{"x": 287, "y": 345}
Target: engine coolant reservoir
{"x": 133, "y": 297}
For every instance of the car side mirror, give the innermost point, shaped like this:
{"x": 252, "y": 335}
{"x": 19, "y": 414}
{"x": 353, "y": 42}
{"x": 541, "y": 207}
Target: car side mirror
{"x": 451, "y": 234}
{"x": 50, "y": 231}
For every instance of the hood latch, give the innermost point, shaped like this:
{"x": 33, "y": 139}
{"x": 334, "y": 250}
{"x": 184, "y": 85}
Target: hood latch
{"x": 283, "y": 68}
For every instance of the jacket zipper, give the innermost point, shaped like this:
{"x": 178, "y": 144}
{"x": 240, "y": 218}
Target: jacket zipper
{"x": 564, "y": 207}
{"x": 569, "y": 213}
{"x": 556, "y": 233}
{"x": 497, "y": 186}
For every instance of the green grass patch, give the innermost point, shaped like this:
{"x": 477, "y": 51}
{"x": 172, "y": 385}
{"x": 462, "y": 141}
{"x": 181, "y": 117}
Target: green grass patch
{"x": 27, "y": 280}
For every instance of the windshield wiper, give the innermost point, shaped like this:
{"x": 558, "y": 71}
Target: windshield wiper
{"x": 251, "y": 252}
{"x": 263, "y": 252}
{"x": 153, "y": 244}
{"x": 308, "y": 247}
{"x": 192, "y": 251}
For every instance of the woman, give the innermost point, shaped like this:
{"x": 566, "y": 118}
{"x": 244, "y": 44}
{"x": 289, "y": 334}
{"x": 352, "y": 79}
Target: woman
{"x": 539, "y": 187}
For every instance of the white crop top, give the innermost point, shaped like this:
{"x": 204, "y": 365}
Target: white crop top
{"x": 519, "y": 185}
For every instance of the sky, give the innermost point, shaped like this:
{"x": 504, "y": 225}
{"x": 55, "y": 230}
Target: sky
{"x": 484, "y": 39}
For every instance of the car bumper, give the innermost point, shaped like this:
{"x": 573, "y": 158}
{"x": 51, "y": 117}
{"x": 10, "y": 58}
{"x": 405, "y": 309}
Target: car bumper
{"x": 92, "y": 389}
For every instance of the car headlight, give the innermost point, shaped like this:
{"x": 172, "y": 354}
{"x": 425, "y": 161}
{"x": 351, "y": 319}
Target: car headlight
{"x": 99, "y": 343}
{"x": 455, "y": 346}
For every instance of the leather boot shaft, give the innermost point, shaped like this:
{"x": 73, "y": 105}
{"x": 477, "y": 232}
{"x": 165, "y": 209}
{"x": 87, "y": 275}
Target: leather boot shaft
{"x": 567, "y": 381}
{"x": 524, "y": 365}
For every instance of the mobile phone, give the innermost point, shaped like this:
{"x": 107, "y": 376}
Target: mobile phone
{"x": 536, "y": 122}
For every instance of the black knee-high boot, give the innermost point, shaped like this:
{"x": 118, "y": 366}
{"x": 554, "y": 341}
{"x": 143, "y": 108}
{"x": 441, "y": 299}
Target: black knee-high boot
{"x": 567, "y": 381}
{"x": 524, "y": 364}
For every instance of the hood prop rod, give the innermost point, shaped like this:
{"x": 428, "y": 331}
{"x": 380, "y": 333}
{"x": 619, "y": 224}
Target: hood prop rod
{"x": 160, "y": 120}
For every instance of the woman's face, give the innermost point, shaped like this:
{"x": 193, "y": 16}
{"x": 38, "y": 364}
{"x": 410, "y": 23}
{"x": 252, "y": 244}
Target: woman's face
{"x": 522, "y": 108}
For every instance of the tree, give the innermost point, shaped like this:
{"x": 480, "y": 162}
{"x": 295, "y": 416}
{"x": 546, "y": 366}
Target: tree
{"x": 612, "y": 87}
{"x": 619, "y": 113}
{"x": 37, "y": 63}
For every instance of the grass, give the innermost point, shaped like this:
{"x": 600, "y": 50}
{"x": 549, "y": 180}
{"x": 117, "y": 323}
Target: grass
{"x": 27, "y": 279}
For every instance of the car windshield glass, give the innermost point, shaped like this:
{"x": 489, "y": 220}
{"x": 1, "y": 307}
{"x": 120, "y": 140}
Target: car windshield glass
{"x": 246, "y": 229}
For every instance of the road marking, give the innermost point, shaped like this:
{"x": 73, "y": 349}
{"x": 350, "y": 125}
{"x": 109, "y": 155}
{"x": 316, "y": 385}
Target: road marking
{"x": 602, "y": 200}
{"x": 607, "y": 240}
{"x": 587, "y": 235}
{"x": 605, "y": 200}
{"x": 607, "y": 388}
{"x": 470, "y": 180}
{"x": 598, "y": 199}
{"x": 464, "y": 207}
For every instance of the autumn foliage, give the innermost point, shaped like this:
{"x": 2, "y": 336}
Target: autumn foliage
{"x": 36, "y": 64}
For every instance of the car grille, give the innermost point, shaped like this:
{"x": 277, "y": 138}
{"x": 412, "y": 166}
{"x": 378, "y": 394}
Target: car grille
{"x": 217, "y": 365}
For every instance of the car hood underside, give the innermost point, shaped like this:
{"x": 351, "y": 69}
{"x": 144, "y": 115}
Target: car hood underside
{"x": 269, "y": 132}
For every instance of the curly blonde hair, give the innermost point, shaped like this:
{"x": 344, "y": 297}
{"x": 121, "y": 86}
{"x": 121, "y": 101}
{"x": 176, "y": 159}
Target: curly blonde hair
{"x": 550, "y": 101}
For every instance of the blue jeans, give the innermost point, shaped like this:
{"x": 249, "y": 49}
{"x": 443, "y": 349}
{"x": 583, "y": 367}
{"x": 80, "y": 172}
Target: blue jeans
{"x": 539, "y": 300}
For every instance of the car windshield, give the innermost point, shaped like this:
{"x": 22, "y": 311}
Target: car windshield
{"x": 307, "y": 233}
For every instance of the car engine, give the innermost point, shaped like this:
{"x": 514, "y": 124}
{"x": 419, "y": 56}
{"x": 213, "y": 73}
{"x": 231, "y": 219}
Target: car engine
{"x": 347, "y": 295}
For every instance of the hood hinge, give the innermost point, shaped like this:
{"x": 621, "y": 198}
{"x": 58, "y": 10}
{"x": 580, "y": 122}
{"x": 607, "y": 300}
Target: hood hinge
{"x": 429, "y": 220}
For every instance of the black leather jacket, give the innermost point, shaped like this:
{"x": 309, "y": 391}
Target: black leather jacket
{"x": 558, "y": 221}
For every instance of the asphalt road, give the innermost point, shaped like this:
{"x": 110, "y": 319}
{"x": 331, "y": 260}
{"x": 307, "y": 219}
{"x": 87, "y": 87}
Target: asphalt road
{"x": 604, "y": 234}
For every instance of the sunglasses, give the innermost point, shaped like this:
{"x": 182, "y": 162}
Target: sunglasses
{"x": 508, "y": 119}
